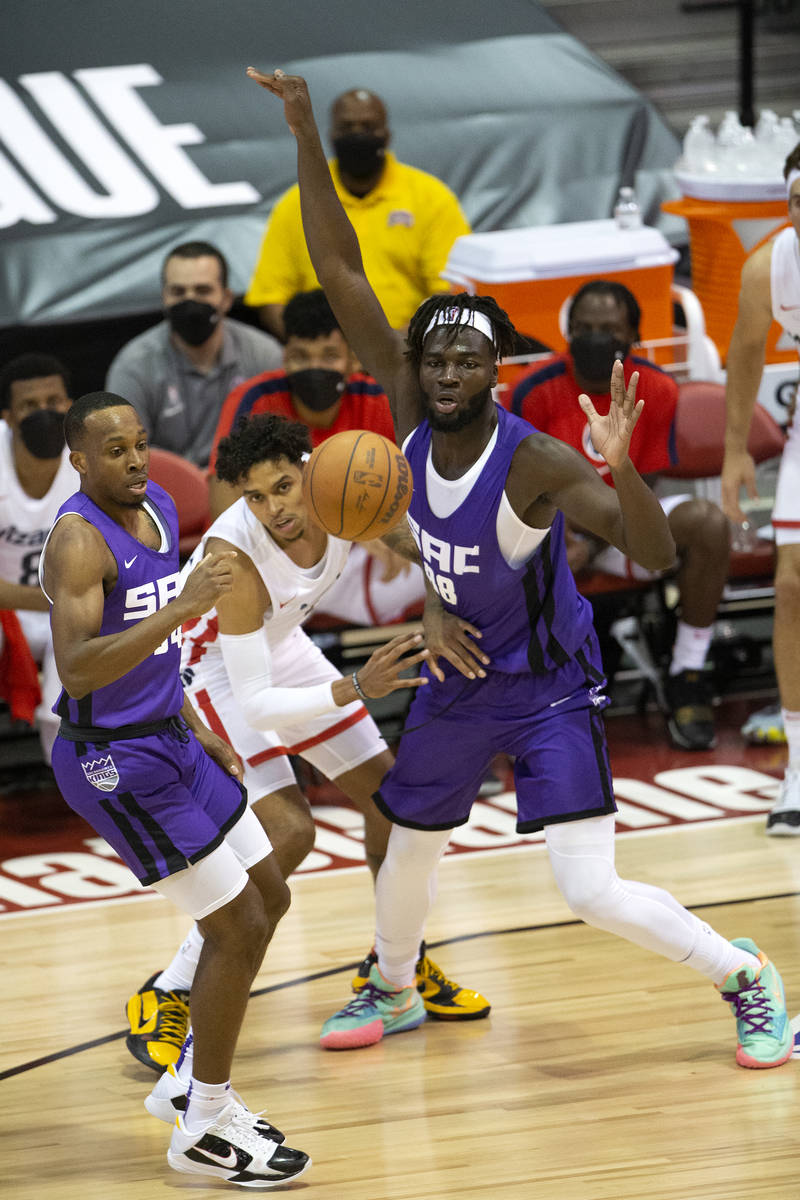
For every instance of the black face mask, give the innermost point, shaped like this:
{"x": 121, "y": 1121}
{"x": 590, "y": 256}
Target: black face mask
{"x": 360, "y": 154}
{"x": 193, "y": 320}
{"x": 316, "y": 387}
{"x": 42, "y": 433}
{"x": 595, "y": 353}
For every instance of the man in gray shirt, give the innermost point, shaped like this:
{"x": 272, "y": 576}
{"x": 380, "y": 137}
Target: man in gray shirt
{"x": 178, "y": 374}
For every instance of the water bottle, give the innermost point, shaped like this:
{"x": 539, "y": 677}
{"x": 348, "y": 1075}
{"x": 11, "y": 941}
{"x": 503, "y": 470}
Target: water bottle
{"x": 699, "y": 147}
{"x": 729, "y": 139}
{"x": 627, "y": 213}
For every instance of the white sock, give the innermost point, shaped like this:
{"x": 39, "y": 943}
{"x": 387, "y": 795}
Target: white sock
{"x": 791, "y": 723}
{"x": 204, "y": 1103}
{"x": 180, "y": 972}
{"x": 691, "y": 648}
{"x": 183, "y": 1067}
{"x": 715, "y": 957}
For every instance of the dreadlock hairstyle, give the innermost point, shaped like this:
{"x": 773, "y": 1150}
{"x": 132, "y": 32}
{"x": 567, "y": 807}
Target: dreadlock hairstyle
{"x": 455, "y": 305}
{"x": 258, "y": 439}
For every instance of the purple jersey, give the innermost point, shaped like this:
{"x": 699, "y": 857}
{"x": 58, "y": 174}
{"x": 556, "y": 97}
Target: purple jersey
{"x": 532, "y": 617}
{"x": 147, "y": 580}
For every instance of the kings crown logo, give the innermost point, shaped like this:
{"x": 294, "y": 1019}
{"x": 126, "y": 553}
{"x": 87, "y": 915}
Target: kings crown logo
{"x": 102, "y": 773}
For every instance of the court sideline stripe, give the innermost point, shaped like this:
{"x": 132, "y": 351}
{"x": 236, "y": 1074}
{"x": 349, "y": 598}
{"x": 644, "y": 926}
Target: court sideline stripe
{"x": 58, "y": 1055}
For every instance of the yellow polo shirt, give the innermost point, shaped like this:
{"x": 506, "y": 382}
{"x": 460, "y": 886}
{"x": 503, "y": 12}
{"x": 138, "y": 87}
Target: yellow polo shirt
{"x": 405, "y": 226}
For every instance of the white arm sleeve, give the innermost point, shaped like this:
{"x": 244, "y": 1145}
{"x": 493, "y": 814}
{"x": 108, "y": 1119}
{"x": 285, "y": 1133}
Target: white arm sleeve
{"x": 247, "y": 661}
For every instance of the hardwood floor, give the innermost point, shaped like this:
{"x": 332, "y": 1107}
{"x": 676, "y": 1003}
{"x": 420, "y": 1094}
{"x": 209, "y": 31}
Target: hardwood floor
{"x": 602, "y": 1071}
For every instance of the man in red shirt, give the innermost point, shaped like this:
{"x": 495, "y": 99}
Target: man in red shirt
{"x": 602, "y": 325}
{"x": 321, "y": 386}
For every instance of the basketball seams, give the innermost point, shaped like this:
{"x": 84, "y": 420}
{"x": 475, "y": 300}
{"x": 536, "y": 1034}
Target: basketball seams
{"x": 388, "y": 475}
{"x": 336, "y": 501}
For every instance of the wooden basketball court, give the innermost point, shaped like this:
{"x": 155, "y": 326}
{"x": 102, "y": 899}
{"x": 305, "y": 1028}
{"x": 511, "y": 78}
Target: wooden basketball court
{"x": 602, "y": 1072}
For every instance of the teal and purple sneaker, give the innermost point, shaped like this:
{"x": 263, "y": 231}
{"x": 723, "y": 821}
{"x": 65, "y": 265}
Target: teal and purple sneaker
{"x": 375, "y": 1011}
{"x": 759, "y": 1005}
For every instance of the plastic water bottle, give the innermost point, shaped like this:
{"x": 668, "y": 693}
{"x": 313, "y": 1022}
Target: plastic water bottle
{"x": 699, "y": 147}
{"x": 627, "y": 213}
{"x": 729, "y": 139}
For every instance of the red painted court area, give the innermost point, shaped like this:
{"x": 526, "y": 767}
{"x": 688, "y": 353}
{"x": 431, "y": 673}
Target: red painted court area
{"x": 51, "y": 858}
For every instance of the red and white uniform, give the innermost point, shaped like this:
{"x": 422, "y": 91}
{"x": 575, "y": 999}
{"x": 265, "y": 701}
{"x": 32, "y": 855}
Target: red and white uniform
{"x": 334, "y": 742}
{"x": 785, "y": 293}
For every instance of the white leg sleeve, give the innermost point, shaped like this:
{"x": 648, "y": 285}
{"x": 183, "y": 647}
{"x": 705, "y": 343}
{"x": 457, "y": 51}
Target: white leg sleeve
{"x": 582, "y": 858}
{"x": 404, "y": 894}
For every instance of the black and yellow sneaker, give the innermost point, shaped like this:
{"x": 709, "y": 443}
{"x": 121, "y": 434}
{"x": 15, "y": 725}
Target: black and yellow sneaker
{"x": 159, "y": 1023}
{"x": 442, "y": 998}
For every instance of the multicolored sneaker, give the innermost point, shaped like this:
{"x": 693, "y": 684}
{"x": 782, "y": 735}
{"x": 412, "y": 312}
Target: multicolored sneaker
{"x": 765, "y": 727}
{"x": 168, "y": 1099}
{"x": 784, "y": 816}
{"x": 375, "y": 1011}
{"x": 159, "y": 1023}
{"x": 759, "y": 1005}
{"x": 445, "y": 1000}
{"x": 690, "y": 717}
{"x": 235, "y": 1148}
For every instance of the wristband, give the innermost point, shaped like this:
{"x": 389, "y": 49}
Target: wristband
{"x": 359, "y": 690}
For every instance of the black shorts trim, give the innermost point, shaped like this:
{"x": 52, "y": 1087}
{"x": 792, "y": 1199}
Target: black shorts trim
{"x": 381, "y": 804}
{"x": 562, "y": 818}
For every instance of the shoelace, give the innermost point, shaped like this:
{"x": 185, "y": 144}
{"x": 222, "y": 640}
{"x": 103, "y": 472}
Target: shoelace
{"x": 174, "y": 1017}
{"x": 431, "y": 971}
{"x": 366, "y": 998}
{"x": 239, "y": 1126}
{"x": 754, "y": 1010}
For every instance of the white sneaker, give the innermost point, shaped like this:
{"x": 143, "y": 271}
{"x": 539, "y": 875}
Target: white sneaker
{"x": 235, "y": 1148}
{"x": 784, "y": 819}
{"x": 168, "y": 1099}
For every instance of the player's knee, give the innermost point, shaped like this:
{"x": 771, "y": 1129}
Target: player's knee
{"x": 701, "y": 525}
{"x": 588, "y": 890}
{"x": 787, "y": 584}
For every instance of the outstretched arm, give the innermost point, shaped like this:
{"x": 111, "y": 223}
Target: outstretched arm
{"x": 547, "y": 474}
{"x": 332, "y": 242}
{"x": 744, "y": 367}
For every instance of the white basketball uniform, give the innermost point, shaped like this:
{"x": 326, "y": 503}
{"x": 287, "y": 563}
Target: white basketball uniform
{"x": 785, "y": 292}
{"x": 333, "y": 743}
{"x": 24, "y": 525}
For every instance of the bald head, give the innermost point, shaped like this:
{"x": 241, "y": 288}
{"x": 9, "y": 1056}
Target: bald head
{"x": 358, "y": 111}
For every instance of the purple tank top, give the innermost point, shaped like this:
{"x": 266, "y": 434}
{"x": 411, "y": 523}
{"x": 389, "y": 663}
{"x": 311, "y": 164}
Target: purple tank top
{"x": 532, "y": 617}
{"x": 147, "y": 580}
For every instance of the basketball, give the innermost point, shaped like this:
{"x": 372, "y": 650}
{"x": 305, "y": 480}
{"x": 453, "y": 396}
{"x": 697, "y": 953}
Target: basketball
{"x": 357, "y": 485}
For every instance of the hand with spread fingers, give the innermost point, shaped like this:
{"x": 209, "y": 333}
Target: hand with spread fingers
{"x": 381, "y": 673}
{"x": 611, "y": 434}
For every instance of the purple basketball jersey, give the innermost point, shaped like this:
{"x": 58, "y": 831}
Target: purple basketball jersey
{"x": 147, "y": 580}
{"x": 532, "y": 617}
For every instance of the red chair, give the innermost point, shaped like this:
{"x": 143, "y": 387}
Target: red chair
{"x": 699, "y": 444}
{"x": 188, "y": 486}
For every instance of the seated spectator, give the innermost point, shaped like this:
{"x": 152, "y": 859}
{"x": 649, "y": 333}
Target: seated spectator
{"x": 178, "y": 373}
{"x": 603, "y": 324}
{"x": 320, "y": 387}
{"x": 406, "y": 221}
{"x": 37, "y": 477}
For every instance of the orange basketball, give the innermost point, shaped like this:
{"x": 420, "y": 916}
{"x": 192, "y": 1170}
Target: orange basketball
{"x": 357, "y": 485}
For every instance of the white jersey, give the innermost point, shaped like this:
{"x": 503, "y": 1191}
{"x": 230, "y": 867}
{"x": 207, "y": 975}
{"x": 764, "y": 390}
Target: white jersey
{"x": 25, "y": 521}
{"x": 785, "y": 282}
{"x": 294, "y": 591}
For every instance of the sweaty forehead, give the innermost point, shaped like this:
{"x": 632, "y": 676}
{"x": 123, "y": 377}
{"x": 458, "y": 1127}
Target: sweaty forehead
{"x": 119, "y": 421}
{"x": 264, "y": 475}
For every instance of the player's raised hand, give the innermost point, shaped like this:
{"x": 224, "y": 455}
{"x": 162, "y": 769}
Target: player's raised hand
{"x": 611, "y": 434}
{"x": 210, "y": 579}
{"x": 381, "y": 673}
{"x": 293, "y": 90}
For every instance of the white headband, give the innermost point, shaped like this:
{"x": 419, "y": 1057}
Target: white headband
{"x": 451, "y": 316}
{"x": 790, "y": 179}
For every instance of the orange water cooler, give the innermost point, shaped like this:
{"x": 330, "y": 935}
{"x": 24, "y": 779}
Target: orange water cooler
{"x": 531, "y": 272}
{"x": 728, "y": 221}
